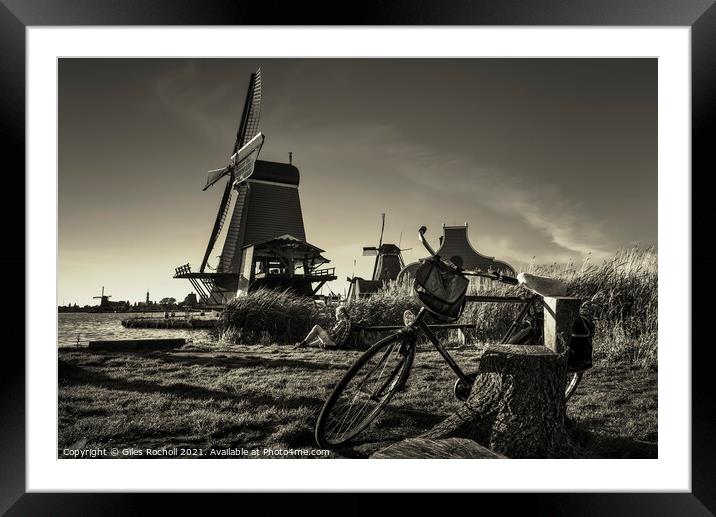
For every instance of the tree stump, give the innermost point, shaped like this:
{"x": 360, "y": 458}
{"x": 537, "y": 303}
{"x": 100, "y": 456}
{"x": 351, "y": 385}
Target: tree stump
{"x": 516, "y": 407}
{"x": 423, "y": 448}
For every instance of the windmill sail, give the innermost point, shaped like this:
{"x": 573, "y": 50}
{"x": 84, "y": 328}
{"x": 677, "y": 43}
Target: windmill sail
{"x": 218, "y": 223}
{"x": 246, "y": 133}
{"x": 215, "y": 175}
{"x": 249, "y": 125}
{"x": 245, "y": 159}
{"x": 242, "y": 163}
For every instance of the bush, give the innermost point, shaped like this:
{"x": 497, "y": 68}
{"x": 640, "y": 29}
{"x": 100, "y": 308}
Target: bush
{"x": 385, "y": 307}
{"x": 267, "y": 316}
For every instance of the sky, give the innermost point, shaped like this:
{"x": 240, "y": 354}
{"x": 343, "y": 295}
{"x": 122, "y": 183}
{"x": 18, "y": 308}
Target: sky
{"x": 550, "y": 160}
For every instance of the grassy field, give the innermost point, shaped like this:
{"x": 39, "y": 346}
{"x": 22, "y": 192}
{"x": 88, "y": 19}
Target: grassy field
{"x": 268, "y": 396}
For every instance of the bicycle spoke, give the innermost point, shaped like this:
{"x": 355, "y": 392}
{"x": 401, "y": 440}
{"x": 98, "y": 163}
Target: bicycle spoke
{"x": 362, "y": 409}
{"x": 364, "y": 395}
{"x": 386, "y": 354}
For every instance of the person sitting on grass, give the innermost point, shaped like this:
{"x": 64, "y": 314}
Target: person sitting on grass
{"x": 334, "y": 338}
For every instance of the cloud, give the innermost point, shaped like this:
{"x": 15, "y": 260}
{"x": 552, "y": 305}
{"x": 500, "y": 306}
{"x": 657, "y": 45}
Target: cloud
{"x": 202, "y": 107}
{"x": 547, "y": 209}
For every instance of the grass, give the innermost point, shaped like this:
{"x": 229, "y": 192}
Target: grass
{"x": 268, "y": 396}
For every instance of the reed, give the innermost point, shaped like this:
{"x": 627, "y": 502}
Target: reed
{"x": 267, "y": 316}
{"x": 621, "y": 294}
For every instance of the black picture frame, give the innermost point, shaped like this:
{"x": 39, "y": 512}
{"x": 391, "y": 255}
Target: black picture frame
{"x": 700, "y": 15}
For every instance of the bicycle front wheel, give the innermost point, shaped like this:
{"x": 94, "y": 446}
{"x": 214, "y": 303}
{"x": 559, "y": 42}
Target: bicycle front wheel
{"x": 365, "y": 390}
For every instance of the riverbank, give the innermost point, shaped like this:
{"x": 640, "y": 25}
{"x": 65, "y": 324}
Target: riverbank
{"x": 268, "y": 397}
{"x": 81, "y": 328}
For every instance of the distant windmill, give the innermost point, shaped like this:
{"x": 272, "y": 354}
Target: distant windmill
{"x": 388, "y": 263}
{"x": 103, "y": 298}
{"x": 389, "y": 260}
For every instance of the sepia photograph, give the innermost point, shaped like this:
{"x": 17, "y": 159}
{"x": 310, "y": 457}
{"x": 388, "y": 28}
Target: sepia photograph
{"x": 357, "y": 258}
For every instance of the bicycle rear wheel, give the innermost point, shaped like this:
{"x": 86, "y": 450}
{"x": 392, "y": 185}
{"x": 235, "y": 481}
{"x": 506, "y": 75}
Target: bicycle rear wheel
{"x": 529, "y": 336}
{"x": 573, "y": 380}
{"x": 365, "y": 390}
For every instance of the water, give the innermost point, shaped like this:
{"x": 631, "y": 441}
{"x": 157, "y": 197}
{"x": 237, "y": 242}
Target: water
{"x": 99, "y": 326}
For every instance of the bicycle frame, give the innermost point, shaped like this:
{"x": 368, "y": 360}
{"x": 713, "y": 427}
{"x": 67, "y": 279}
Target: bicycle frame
{"x": 419, "y": 323}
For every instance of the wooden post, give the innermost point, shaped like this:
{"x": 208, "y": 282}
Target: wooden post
{"x": 461, "y": 337}
{"x": 560, "y": 314}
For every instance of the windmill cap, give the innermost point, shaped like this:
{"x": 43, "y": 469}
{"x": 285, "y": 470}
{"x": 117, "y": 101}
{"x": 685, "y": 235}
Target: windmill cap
{"x": 277, "y": 172}
{"x": 389, "y": 248}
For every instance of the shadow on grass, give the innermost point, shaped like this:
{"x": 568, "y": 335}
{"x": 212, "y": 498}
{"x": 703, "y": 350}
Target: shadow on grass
{"x": 590, "y": 444}
{"x": 245, "y": 362}
{"x": 70, "y": 374}
{"x": 395, "y": 424}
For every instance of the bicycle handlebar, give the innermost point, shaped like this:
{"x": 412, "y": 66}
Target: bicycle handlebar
{"x": 505, "y": 279}
{"x": 491, "y": 275}
{"x": 421, "y": 236}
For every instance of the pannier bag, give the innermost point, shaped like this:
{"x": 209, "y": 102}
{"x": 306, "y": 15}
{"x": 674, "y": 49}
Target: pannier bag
{"x": 441, "y": 290}
{"x": 580, "y": 346}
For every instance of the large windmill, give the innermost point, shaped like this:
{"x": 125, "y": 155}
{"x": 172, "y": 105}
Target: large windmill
{"x": 264, "y": 243}
{"x": 388, "y": 263}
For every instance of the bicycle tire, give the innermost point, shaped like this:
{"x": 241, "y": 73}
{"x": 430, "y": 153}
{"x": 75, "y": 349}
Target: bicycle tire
{"x": 526, "y": 336}
{"x": 332, "y": 437}
{"x": 573, "y": 380}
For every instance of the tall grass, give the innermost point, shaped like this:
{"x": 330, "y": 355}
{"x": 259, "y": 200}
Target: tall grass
{"x": 267, "y": 316}
{"x": 620, "y": 294}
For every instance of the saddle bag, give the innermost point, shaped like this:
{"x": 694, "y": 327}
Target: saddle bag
{"x": 441, "y": 289}
{"x": 579, "y": 356}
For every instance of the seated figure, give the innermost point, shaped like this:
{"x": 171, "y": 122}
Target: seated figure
{"x": 334, "y": 338}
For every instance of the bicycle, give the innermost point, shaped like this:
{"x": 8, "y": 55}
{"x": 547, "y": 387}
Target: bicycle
{"x": 383, "y": 370}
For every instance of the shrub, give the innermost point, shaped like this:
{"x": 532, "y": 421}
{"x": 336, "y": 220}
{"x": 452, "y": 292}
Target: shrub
{"x": 385, "y": 307}
{"x": 266, "y": 316}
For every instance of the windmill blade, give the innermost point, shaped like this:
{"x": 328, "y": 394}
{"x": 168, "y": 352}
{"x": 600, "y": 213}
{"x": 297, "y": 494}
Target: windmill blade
{"x": 215, "y": 175}
{"x": 218, "y": 223}
{"x": 245, "y": 159}
{"x": 249, "y": 125}
{"x": 370, "y": 251}
{"x": 380, "y": 245}
{"x": 382, "y": 228}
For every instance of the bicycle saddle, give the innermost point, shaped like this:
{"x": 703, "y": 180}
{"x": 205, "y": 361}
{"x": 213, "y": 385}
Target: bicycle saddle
{"x": 542, "y": 285}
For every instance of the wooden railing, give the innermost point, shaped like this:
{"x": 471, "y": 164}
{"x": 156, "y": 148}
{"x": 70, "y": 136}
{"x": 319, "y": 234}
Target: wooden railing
{"x": 329, "y": 271}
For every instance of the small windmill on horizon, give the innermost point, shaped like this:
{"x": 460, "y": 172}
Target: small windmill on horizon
{"x": 103, "y": 298}
{"x": 388, "y": 263}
